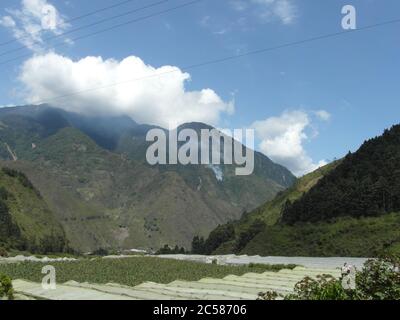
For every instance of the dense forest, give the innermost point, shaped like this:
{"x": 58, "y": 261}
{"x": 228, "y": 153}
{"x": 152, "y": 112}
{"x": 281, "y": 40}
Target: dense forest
{"x": 365, "y": 184}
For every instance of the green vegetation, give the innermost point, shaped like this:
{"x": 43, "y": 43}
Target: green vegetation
{"x": 364, "y": 184}
{"x": 378, "y": 280}
{"x": 3, "y": 252}
{"x": 167, "y": 250}
{"x": 101, "y": 252}
{"x": 21, "y": 178}
{"x": 92, "y": 174}
{"x": 271, "y": 211}
{"x": 364, "y": 237}
{"x": 26, "y": 223}
{"x": 347, "y": 208}
{"x": 221, "y": 234}
{"x": 243, "y": 231}
{"x": 129, "y": 271}
{"x": 247, "y": 235}
{"x": 6, "y": 289}
{"x": 325, "y": 287}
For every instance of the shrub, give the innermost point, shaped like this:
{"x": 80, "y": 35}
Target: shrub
{"x": 3, "y": 252}
{"x": 269, "y": 295}
{"x": 378, "y": 280}
{"x": 6, "y": 289}
{"x": 325, "y": 287}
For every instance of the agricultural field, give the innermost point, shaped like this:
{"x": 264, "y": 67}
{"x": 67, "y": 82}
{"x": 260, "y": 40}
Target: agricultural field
{"x": 130, "y": 271}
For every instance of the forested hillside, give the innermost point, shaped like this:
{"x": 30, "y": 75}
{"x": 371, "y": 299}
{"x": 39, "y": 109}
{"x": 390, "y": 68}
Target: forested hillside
{"x": 366, "y": 183}
{"x": 234, "y": 236}
{"x": 348, "y": 208}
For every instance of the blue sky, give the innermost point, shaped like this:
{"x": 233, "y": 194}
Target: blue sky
{"x": 308, "y": 103}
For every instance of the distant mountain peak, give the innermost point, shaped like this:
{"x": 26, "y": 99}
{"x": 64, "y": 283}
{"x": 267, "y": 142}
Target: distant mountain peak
{"x": 92, "y": 171}
{"x": 195, "y": 126}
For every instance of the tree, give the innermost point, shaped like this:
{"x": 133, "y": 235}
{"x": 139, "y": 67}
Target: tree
{"x": 221, "y": 234}
{"x": 6, "y": 288}
{"x": 198, "y": 245}
{"x": 167, "y": 250}
{"x": 365, "y": 183}
{"x": 246, "y": 236}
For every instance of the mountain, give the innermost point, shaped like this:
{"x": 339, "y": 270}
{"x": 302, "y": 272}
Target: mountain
{"x": 92, "y": 173}
{"x": 270, "y": 212}
{"x": 349, "y": 208}
{"x": 26, "y": 222}
{"x": 366, "y": 183}
{"x": 235, "y": 235}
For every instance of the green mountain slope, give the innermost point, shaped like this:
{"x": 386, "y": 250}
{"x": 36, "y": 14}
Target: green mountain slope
{"x": 92, "y": 174}
{"x": 366, "y": 183}
{"x": 346, "y": 237}
{"x": 267, "y": 214}
{"x": 271, "y": 211}
{"x": 345, "y": 208}
{"x": 26, "y": 222}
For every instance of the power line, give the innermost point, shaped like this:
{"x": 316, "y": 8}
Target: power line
{"x": 86, "y": 26}
{"x": 225, "y": 59}
{"x": 112, "y": 28}
{"x": 71, "y": 20}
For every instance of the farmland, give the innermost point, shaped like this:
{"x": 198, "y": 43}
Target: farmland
{"x": 130, "y": 271}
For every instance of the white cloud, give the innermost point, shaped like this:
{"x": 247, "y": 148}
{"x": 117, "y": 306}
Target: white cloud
{"x": 32, "y": 21}
{"x": 284, "y": 10}
{"x": 7, "y": 106}
{"x": 7, "y": 22}
{"x": 323, "y": 115}
{"x": 269, "y": 10}
{"x": 161, "y": 100}
{"x": 282, "y": 140}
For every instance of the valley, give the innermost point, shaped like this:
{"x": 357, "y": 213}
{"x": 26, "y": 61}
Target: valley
{"x": 99, "y": 189}
{"x": 199, "y": 150}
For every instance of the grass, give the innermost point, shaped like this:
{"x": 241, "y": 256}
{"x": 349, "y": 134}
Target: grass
{"x": 130, "y": 271}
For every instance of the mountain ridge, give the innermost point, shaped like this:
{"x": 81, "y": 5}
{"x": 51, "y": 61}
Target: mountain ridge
{"x": 106, "y": 195}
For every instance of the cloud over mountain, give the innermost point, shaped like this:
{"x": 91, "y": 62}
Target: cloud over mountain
{"x": 282, "y": 139}
{"x": 148, "y": 94}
